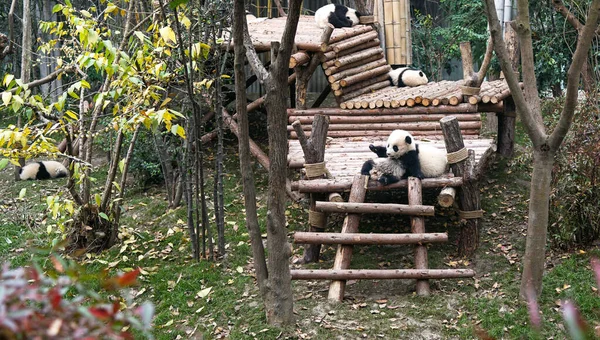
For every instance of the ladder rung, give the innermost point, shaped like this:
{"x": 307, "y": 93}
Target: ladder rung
{"x": 375, "y": 208}
{"x": 361, "y": 238}
{"x": 355, "y": 274}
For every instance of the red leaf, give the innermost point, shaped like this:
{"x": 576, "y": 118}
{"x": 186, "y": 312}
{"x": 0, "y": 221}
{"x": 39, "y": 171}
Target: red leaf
{"x": 55, "y": 297}
{"x": 99, "y": 312}
{"x": 128, "y": 279}
{"x": 57, "y": 264}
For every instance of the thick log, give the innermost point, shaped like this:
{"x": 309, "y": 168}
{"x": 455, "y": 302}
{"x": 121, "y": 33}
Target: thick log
{"x": 339, "y": 185}
{"x": 358, "y": 68}
{"x": 467, "y": 63}
{"x": 358, "y": 86}
{"x": 384, "y": 133}
{"x": 366, "y": 75}
{"x": 366, "y": 89}
{"x": 346, "y": 34}
{"x": 314, "y": 152}
{"x": 299, "y": 58}
{"x": 358, "y": 238}
{"x": 411, "y": 126}
{"x": 358, "y": 56}
{"x": 331, "y": 54}
{"x": 417, "y": 226}
{"x": 382, "y": 274}
{"x": 468, "y": 117}
{"x": 334, "y": 69}
{"x": 446, "y": 197}
{"x": 506, "y": 129}
{"x": 468, "y": 195}
{"x": 456, "y": 110}
{"x": 344, "y": 252}
{"x": 376, "y": 208}
{"x": 355, "y": 41}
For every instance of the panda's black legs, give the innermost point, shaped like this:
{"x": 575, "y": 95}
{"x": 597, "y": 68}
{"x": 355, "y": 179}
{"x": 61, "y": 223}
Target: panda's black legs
{"x": 381, "y": 151}
{"x": 339, "y": 22}
{"x": 388, "y": 179}
{"x": 412, "y": 164}
{"x": 367, "y": 167}
{"x": 42, "y": 172}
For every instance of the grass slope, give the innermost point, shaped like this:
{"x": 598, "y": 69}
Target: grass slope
{"x": 219, "y": 299}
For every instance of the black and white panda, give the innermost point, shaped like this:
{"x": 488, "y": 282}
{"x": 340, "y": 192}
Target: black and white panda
{"x": 43, "y": 170}
{"x": 407, "y": 76}
{"x": 418, "y": 160}
{"x": 337, "y": 15}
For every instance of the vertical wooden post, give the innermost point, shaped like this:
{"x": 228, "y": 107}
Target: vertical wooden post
{"x": 506, "y": 120}
{"x": 344, "y": 252}
{"x": 469, "y": 192}
{"x": 314, "y": 152}
{"x": 417, "y": 225}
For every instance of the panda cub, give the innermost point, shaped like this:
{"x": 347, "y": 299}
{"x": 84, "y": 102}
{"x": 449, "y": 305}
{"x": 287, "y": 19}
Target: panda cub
{"x": 417, "y": 160}
{"x": 406, "y": 76}
{"x": 43, "y": 170}
{"x": 337, "y": 15}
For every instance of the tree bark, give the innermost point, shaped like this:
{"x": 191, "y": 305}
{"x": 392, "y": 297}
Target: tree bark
{"x": 25, "y": 62}
{"x": 537, "y": 226}
{"x": 258, "y": 251}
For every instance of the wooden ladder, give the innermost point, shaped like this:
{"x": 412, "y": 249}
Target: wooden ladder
{"x": 350, "y": 236}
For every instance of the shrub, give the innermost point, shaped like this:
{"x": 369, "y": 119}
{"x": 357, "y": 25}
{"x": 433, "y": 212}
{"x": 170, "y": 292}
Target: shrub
{"x": 574, "y": 215}
{"x": 59, "y": 306}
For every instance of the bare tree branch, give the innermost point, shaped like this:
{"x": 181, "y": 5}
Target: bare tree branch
{"x": 261, "y": 72}
{"x": 46, "y": 79}
{"x": 485, "y": 64}
{"x": 11, "y": 30}
{"x": 528, "y": 114}
{"x": 280, "y": 9}
{"x": 560, "y": 7}
{"x": 581, "y": 52}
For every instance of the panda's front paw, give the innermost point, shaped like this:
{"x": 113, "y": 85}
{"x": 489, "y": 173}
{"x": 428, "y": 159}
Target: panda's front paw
{"x": 420, "y": 176}
{"x": 383, "y": 180}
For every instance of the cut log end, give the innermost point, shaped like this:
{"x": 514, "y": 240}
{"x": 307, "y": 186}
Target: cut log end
{"x": 446, "y": 197}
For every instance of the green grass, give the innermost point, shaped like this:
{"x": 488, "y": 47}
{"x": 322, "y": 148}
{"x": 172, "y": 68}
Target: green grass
{"x": 156, "y": 240}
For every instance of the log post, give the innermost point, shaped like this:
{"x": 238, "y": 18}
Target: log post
{"x": 468, "y": 194}
{"x": 344, "y": 252}
{"x": 314, "y": 152}
{"x": 446, "y": 197}
{"x": 506, "y": 120}
{"x": 417, "y": 226}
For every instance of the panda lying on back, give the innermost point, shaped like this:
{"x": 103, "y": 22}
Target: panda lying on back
{"x": 43, "y": 170}
{"x": 337, "y": 15}
{"x": 407, "y": 76}
{"x": 402, "y": 157}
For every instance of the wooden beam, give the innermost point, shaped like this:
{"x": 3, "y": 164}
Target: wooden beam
{"x": 344, "y": 252}
{"x": 375, "y": 208}
{"x": 359, "y": 238}
{"x": 357, "y": 274}
{"x": 338, "y": 185}
{"x": 417, "y": 226}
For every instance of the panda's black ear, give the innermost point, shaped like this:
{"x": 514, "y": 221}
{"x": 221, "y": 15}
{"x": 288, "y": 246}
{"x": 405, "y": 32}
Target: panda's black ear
{"x": 357, "y": 14}
{"x": 408, "y": 140}
{"x": 420, "y": 74}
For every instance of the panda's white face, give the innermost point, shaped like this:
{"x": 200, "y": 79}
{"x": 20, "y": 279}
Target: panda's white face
{"x": 399, "y": 143}
{"x": 351, "y": 15}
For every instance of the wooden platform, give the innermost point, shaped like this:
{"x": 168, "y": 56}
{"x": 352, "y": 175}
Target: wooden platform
{"x": 345, "y": 156}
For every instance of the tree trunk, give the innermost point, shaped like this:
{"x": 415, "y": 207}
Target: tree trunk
{"x": 258, "y": 251}
{"x": 537, "y": 228}
{"x": 25, "y": 62}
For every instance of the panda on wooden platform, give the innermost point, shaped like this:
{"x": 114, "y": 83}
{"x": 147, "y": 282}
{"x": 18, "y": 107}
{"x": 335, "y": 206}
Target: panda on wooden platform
{"x": 43, "y": 170}
{"x": 416, "y": 160}
{"x": 337, "y": 15}
{"x": 407, "y": 76}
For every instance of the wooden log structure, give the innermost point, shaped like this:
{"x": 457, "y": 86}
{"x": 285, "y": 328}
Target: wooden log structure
{"x": 376, "y": 208}
{"x": 359, "y": 238}
{"x": 446, "y": 197}
{"x": 344, "y": 252}
{"x": 320, "y": 185}
{"x": 379, "y": 274}
{"x": 468, "y": 193}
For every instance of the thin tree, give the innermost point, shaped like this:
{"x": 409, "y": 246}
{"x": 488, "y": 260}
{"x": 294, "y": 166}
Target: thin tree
{"x": 545, "y": 143}
{"x": 276, "y": 279}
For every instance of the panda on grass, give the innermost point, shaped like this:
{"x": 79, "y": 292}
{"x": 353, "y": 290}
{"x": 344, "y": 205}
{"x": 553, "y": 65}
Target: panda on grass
{"x": 402, "y": 157}
{"x": 43, "y": 170}
{"x": 407, "y": 76}
{"x": 337, "y": 15}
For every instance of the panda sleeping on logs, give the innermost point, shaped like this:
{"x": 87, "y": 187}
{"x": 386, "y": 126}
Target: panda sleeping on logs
{"x": 43, "y": 170}
{"x": 407, "y": 76}
{"x": 337, "y": 15}
{"x": 403, "y": 157}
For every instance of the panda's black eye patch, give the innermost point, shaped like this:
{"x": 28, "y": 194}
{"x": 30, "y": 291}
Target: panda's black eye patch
{"x": 395, "y": 148}
{"x": 348, "y": 18}
{"x": 420, "y": 74}
{"x": 408, "y": 140}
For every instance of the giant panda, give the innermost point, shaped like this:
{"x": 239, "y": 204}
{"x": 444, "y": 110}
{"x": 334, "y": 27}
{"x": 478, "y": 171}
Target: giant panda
{"x": 386, "y": 170}
{"x": 406, "y": 76}
{"x": 337, "y": 15}
{"x": 419, "y": 160}
{"x": 43, "y": 170}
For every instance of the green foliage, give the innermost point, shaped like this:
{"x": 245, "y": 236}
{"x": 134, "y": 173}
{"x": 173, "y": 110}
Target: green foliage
{"x": 436, "y": 37}
{"x": 574, "y": 215}
{"x": 60, "y": 304}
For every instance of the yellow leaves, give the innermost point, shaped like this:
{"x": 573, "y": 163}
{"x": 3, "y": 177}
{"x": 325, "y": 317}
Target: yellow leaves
{"x": 200, "y": 49}
{"x": 167, "y": 34}
{"x": 204, "y": 292}
{"x": 178, "y": 130}
{"x": 6, "y": 97}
